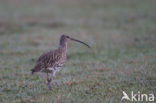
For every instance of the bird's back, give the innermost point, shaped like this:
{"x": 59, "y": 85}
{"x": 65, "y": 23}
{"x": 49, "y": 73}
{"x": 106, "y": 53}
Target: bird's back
{"x": 50, "y": 61}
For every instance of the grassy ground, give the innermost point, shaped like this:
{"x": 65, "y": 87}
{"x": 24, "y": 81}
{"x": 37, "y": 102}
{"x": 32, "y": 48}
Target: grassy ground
{"x": 122, "y": 34}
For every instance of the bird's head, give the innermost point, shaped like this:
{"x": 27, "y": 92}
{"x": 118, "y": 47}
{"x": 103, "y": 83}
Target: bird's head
{"x": 65, "y": 38}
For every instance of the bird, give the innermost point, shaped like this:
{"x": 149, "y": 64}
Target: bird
{"x": 54, "y": 60}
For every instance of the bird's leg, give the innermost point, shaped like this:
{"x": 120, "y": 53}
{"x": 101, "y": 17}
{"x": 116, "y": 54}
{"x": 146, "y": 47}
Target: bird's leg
{"x": 54, "y": 72}
{"x": 49, "y": 81}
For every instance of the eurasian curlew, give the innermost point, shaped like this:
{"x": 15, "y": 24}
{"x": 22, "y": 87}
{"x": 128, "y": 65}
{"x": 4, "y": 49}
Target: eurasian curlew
{"x": 52, "y": 61}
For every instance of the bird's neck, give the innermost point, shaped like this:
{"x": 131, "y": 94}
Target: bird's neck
{"x": 63, "y": 50}
{"x": 63, "y": 46}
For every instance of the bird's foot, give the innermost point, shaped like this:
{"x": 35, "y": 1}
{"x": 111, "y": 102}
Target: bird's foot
{"x": 49, "y": 83}
{"x": 49, "y": 87}
{"x": 48, "y": 80}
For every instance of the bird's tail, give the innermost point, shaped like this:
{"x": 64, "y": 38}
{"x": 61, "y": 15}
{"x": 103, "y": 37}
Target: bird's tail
{"x": 36, "y": 68}
{"x": 32, "y": 71}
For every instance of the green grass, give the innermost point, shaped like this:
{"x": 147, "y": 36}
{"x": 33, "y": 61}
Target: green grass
{"x": 122, "y": 35}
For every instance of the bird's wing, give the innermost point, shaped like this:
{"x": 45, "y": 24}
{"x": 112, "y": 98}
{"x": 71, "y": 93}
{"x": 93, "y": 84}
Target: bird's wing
{"x": 47, "y": 60}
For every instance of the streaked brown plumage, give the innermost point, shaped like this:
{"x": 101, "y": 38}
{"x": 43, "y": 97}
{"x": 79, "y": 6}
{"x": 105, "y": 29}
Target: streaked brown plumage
{"x": 52, "y": 61}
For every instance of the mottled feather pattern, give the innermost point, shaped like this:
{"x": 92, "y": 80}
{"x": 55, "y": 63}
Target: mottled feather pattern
{"x": 51, "y": 59}
{"x": 51, "y": 62}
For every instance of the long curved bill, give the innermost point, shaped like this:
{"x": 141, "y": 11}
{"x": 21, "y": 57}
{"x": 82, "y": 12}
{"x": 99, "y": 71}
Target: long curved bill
{"x": 80, "y": 42}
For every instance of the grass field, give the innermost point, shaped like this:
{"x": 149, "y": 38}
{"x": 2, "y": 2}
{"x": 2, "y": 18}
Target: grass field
{"x": 122, "y": 34}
